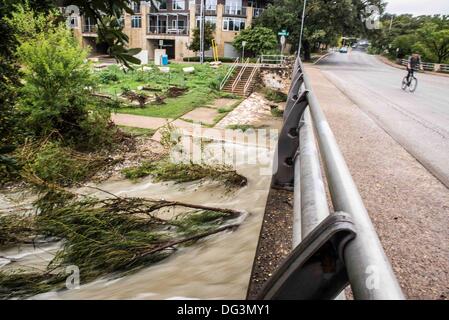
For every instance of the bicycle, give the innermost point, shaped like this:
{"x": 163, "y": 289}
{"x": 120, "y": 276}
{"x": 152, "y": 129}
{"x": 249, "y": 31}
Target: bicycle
{"x": 411, "y": 83}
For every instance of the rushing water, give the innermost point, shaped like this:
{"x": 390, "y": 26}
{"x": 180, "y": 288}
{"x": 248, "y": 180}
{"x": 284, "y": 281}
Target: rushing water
{"x": 218, "y": 267}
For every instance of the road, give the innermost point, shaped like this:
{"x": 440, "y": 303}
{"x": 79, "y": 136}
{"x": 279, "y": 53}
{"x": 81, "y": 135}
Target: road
{"x": 418, "y": 121}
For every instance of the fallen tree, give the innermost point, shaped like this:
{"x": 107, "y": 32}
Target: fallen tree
{"x": 105, "y": 236}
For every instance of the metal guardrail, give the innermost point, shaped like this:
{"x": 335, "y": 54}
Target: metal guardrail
{"x": 273, "y": 59}
{"x": 429, "y": 66}
{"x": 89, "y": 28}
{"x": 234, "y": 11}
{"x": 256, "y": 68}
{"x": 444, "y": 68}
{"x": 229, "y": 73}
{"x": 359, "y": 260}
{"x": 153, "y": 29}
{"x": 239, "y": 76}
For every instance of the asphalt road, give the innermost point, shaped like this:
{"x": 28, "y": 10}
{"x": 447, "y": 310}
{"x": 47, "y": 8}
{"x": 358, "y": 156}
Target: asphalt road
{"x": 418, "y": 121}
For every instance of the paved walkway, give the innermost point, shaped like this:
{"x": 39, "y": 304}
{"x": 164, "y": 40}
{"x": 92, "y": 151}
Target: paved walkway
{"x": 408, "y": 206}
{"x": 130, "y": 120}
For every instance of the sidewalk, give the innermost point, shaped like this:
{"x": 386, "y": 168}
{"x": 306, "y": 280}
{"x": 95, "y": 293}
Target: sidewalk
{"x": 130, "y": 120}
{"x": 408, "y": 206}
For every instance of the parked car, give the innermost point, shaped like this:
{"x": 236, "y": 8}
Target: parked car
{"x": 343, "y": 50}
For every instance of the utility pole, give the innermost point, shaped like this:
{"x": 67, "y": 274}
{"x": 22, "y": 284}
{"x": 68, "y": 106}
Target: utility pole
{"x": 202, "y": 32}
{"x": 391, "y": 23}
{"x": 302, "y": 28}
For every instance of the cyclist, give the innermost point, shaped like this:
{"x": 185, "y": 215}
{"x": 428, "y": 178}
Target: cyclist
{"x": 413, "y": 62}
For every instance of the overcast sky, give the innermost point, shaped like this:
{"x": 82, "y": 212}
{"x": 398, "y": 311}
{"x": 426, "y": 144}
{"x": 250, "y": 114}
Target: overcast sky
{"x": 418, "y": 7}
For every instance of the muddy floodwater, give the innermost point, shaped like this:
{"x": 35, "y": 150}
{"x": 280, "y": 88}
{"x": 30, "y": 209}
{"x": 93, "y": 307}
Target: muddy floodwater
{"x": 217, "y": 267}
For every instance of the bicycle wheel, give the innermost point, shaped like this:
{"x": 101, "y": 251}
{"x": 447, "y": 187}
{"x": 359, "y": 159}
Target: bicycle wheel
{"x": 404, "y": 83}
{"x": 413, "y": 84}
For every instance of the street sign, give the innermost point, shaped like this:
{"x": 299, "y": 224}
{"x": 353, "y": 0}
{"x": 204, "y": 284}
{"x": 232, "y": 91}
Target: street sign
{"x": 283, "y": 33}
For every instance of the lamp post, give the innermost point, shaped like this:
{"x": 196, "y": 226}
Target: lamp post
{"x": 302, "y": 28}
{"x": 202, "y": 32}
{"x": 243, "y": 50}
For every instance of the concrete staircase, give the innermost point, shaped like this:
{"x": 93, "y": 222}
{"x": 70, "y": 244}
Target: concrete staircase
{"x": 241, "y": 83}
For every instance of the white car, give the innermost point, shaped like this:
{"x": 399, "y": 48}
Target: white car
{"x": 343, "y": 50}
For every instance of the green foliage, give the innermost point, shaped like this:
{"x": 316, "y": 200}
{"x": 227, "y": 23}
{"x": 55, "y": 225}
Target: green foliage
{"x": 202, "y": 85}
{"x": 276, "y": 112}
{"x": 427, "y": 35}
{"x": 324, "y": 20}
{"x": 22, "y": 283}
{"x": 107, "y": 15}
{"x": 208, "y": 36}
{"x": 57, "y": 165}
{"x": 14, "y": 229}
{"x": 183, "y": 172}
{"x": 259, "y": 40}
{"x": 108, "y": 76}
{"x": 137, "y": 132}
{"x": 433, "y": 42}
{"x": 405, "y": 43}
{"x": 242, "y": 127}
{"x": 56, "y": 91}
{"x": 103, "y": 237}
{"x": 275, "y": 95}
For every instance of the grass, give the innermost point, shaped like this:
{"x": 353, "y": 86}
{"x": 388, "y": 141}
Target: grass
{"x": 174, "y": 107}
{"x": 276, "y": 112}
{"x": 243, "y": 127}
{"x": 223, "y": 112}
{"x": 184, "y": 172}
{"x": 202, "y": 87}
{"x": 274, "y": 95}
{"x": 137, "y": 132}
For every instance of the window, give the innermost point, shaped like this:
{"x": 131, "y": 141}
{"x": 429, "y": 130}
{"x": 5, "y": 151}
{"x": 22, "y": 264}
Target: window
{"x": 179, "y": 5}
{"x": 136, "y": 22}
{"x": 163, "y": 5}
{"x": 211, "y": 5}
{"x": 207, "y": 19}
{"x": 73, "y": 22}
{"x": 179, "y": 25}
{"x": 136, "y": 7}
{"x": 233, "y": 24}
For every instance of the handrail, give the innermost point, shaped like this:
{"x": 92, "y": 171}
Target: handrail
{"x": 239, "y": 76}
{"x": 298, "y": 167}
{"x": 272, "y": 58}
{"x": 229, "y": 73}
{"x": 250, "y": 79}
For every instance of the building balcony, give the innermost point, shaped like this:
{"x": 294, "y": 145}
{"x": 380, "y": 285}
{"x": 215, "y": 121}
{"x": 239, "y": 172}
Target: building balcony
{"x": 209, "y": 10}
{"x": 88, "y": 28}
{"x": 234, "y": 11}
{"x": 167, "y": 31}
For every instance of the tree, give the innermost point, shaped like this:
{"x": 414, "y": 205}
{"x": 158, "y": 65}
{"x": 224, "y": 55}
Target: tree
{"x": 434, "y": 41}
{"x": 57, "y": 80}
{"x": 423, "y": 34}
{"x": 259, "y": 40}
{"x": 324, "y": 20}
{"x": 208, "y": 36}
{"x": 404, "y": 45}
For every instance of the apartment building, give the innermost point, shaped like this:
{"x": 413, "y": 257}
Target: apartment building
{"x": 170, "y": 27}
